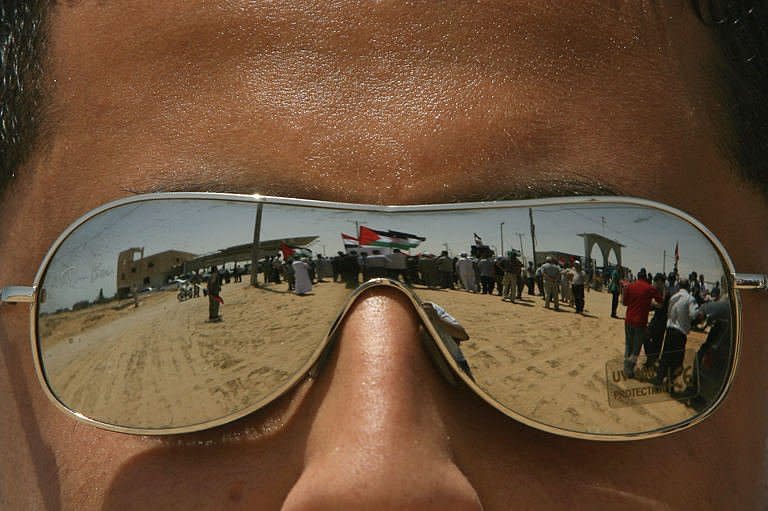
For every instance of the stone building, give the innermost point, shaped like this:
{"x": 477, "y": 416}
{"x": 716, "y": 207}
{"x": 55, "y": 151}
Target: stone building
{"x": 144, "y": 272}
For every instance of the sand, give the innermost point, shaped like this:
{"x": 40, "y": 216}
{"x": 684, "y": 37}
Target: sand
{"x": 162, "y": 365}
{"x": 557, "y": 367}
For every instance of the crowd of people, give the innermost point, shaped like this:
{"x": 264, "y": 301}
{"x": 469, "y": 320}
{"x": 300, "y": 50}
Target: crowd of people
{"x": 678, "y": 304}
{"x": 505, "y": 276}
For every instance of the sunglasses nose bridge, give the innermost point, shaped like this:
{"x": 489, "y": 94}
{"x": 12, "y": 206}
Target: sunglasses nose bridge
{"x": 380, "y": 406}
{"x": 431, "y": 339}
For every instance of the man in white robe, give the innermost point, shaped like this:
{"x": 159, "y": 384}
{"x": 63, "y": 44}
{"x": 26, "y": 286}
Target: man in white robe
{"x": 465, "y": 267}
{"x": 301, "y": 274}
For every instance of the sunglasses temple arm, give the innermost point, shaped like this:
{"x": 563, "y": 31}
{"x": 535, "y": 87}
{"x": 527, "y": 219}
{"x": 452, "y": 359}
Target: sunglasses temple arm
{"x": 17, "y": 294}
{"x": 748, "y": 281}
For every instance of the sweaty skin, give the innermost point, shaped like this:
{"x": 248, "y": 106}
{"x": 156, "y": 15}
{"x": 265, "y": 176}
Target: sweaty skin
{"x": 385, "y": 102}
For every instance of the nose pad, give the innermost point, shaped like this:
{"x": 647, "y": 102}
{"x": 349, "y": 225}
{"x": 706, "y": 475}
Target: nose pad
{"x": 432, "y": 337}
{"x": 378, "y": 438}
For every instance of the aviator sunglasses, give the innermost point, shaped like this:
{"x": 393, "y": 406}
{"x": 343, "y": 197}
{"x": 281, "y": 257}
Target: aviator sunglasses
{"x": 176, "y": 312}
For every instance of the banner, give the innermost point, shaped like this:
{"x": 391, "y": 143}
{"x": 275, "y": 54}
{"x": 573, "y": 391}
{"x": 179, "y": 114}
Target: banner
{"x": 349, "y": 241}
{"x": 291, "y": 251}
{"x": 389, "y": 239}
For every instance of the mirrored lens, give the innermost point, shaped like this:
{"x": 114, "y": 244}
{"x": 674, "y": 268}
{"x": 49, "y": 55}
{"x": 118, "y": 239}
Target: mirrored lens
{"x": 150, "y": 321}
{"x": 612, "y": 319}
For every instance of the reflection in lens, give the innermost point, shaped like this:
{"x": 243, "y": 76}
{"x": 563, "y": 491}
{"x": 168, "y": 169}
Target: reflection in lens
{"x": 573, "y": 339}
{"x": 150, "y": 320}
{"x": 570, "y": 315}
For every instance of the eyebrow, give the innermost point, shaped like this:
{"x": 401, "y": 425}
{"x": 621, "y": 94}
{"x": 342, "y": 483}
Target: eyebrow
{"x": 538, "y": 189}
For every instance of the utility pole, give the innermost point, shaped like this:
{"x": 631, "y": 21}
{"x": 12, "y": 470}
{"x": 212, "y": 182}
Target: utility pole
{"x": 256, "y": 245}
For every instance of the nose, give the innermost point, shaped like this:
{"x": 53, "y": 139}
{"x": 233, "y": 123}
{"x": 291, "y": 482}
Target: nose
{"x": 378, "y": 440}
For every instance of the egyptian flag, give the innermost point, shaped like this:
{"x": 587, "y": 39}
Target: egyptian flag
{"x": 391, "y": 239}
{"x": 478, "y": 239}
{"x": 349, "y": 241}
{"x": 677, "y": 253}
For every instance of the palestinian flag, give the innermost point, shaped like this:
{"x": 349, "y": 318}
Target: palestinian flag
{"x": 392, "y": 239}
{"x": 290, "y": 250}
{"x": 349, "y": 241}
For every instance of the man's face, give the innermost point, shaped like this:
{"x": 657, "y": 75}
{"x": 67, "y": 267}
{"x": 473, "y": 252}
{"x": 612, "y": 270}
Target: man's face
{"x": 385, "y": 103}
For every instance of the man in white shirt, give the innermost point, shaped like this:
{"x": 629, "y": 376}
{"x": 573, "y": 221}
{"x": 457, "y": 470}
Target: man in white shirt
{"x": 398, "y": 265}
{"x": 578, "y": 278}
{"x": 682, "y": 310}
{"x": 551, "y": 273}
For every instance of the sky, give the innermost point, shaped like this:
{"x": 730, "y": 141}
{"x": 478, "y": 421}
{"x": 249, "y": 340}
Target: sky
{"x": 86, "y": 261}
{"x": 646, "y": 233}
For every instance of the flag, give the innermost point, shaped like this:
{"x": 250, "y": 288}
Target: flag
{"x": 410, "y": 239}
{"x": 391, "y": 239}
{"x": 349, "y": 241}
{"x": 478, "y": 239}
{"x": 291, "y": 250}
{"x": 677, "y": 253}
{"x": 286, "y": 250}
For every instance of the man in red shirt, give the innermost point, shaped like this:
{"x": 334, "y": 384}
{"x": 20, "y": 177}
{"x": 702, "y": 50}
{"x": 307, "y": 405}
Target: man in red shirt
{"x": 638, "y": 297}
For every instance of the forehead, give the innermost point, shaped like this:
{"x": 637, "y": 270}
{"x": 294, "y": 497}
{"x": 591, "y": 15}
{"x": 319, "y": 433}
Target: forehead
{"x": 377, "y": 102}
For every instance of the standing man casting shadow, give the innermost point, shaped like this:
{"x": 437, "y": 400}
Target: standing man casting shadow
{"x": 214, "y": 295}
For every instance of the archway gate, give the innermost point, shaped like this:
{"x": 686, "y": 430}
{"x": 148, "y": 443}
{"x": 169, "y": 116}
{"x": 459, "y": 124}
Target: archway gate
{"x": 604, "y": 244}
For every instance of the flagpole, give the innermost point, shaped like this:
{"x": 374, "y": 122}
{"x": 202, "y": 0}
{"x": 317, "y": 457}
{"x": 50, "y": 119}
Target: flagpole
{"x": 501, "y": 233}
{"x": 255, "y": 249}
{"x": 357, "y": 226}
{"x": 533, "y": 235}
{"x": 677, "y": 256}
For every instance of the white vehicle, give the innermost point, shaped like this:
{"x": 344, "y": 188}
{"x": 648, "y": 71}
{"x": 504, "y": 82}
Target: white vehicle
{"x": 186, "y": 290}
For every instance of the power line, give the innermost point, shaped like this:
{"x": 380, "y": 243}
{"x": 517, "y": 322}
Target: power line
{"x": 640, "y": 243}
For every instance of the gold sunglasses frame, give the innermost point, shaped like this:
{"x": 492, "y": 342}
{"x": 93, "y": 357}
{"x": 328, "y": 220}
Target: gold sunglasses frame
{"x": 735, "y": 282}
